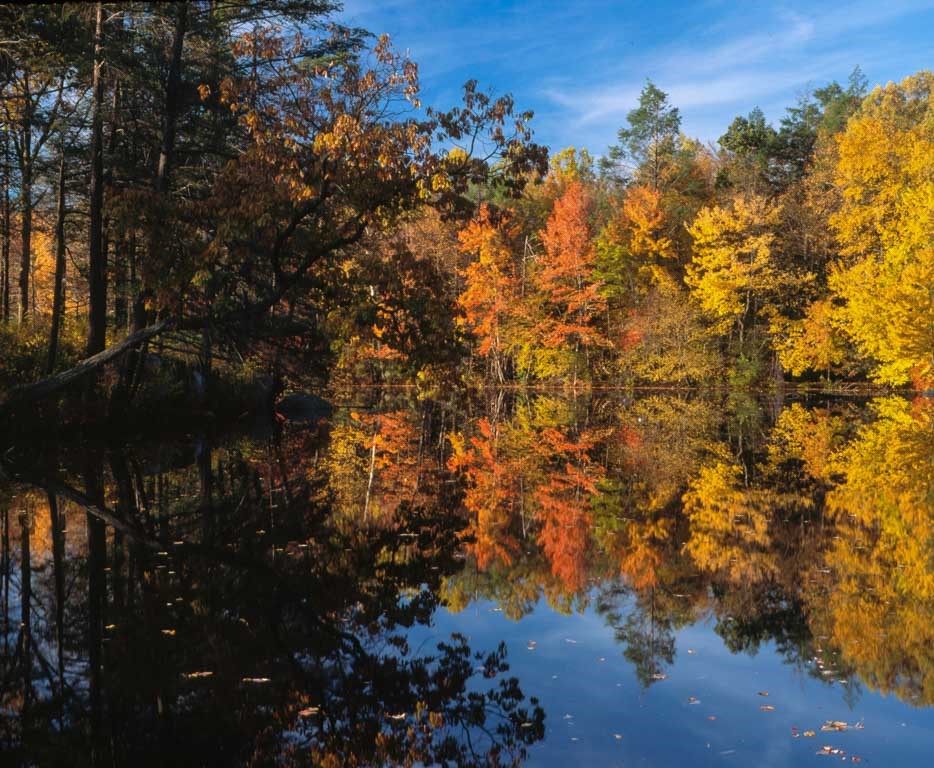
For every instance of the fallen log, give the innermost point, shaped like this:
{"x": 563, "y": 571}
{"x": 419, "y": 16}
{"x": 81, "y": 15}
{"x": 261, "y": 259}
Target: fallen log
{"x": 31, "y": 393}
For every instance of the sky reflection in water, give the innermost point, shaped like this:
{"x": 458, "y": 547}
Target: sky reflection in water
{"x": 677, "y": 581}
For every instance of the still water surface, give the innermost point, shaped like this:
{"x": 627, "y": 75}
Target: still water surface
{"x": 542, "y": 580}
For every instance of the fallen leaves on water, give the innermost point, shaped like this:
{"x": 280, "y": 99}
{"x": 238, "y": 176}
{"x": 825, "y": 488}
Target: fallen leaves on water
{"x": 195, "y": 675}
{"x": 834, "y": 725}
{"x": 693, "y": 700}
{"x": 711, "y": 717}
{"x": 400, "y": 716}
{"x": 763, "y": 693}
{"x": 810, "y": 734}
{"x": 309, "y": 711}
{"x": 618, "y": 736}
{"x": 767, "y": 708}
{"x": 254, "y": 680}
{"x": 659, "y": 676}
{"x": 169, "y": 632}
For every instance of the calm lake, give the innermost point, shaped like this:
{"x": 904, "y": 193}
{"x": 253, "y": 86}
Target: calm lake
{"x": 659, "y": 579}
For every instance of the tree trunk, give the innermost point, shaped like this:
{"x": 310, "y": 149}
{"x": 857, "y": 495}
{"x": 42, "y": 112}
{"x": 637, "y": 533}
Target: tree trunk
{"x": 33, "y": 393}
{"x": 26, "y": 224}
{"x": 58, "y": 296}
{"x": 58, "y": 567}
{"x": 5, "y": 248}
{"x": 97, "y": 267}
{"x": 121, "y": 283}
{"x": 5, "y": 575}
{"x": 163, "y": 168}
{"x": 25, "y": 602}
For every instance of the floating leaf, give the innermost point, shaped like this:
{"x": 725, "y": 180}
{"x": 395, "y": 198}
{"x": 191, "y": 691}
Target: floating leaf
{"x": 767, "y": 708}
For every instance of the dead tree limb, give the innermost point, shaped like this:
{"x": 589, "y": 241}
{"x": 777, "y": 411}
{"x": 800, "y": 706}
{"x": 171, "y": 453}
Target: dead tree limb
{"x": 33, "y": 393}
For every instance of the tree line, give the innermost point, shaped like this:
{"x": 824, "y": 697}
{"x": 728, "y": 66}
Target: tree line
{"x": 802, "y": 251}
{"x": 257, "y": 187}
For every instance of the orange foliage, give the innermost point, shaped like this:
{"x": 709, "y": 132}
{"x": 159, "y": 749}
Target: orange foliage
{"x": 565, "y": 278}
{"x": 490, "y": 297}
{"x": 563, "y": 501}
{"x": 490, "y": 497}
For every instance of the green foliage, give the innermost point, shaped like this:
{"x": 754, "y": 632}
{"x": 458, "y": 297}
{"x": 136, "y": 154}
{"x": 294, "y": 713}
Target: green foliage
{"x": 646, "y": 147}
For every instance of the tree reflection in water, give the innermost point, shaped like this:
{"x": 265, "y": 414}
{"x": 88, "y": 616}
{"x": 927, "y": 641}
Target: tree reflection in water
{"x": 255, "y": 602}
{"x": 209, "y": 609}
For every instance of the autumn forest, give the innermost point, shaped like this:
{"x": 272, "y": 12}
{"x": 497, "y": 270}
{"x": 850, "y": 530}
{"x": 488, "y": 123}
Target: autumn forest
{"x": 340, "y": 428}
{"x": 248, "y": 189}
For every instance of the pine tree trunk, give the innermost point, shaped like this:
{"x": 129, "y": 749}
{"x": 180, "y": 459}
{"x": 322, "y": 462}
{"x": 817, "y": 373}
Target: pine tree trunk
{"x": 5, "y": 248}
{"x": 166, "y": 153}
{"x": 58, "y": 297}
{"x": 26, "y": 226}
{"x": 97, "y": 267}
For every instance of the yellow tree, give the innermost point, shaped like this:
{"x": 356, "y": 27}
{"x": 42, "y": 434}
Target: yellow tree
{"x": 729, "y": 524}
{"x": 732, "y": 272}
{"x": 811, "y": 343}
{"x": 879, "y": 612}
{"x": 884, "y": 176}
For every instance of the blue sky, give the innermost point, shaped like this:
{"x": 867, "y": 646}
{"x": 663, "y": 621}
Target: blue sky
{"x": 580, "y": 64}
